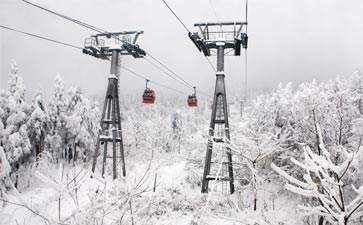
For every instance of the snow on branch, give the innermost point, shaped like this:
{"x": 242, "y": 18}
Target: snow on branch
{"x": 323, "y": 181}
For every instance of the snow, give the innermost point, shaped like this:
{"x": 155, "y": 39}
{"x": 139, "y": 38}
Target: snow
{"x": 4, "y": 164}
{"x": 165, "y": 148}
{"x": 112, "y": 76}
{"x": 173, "y": 196}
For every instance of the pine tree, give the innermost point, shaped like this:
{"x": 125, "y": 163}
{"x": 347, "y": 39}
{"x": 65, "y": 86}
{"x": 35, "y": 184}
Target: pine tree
{"x": 56, "y": 112}
{"x": 3, "y": 115}
{"x": 81, "y": 124}
{"x": 16, "y": 142}
{"x": 38, "y": 123}
{"x": 4, "y": 170}
{"x": 357, "y": 90}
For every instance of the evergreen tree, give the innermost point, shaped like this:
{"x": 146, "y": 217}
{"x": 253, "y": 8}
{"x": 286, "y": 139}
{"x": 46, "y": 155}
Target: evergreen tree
{"x": 81, "y": 124}
{"x": 4, "y": 171}
{"x": 56, "y": 112}
{"x": 3, "y": 114}
{"x": 16, "y": 141}
{"x": 38, "y": 123}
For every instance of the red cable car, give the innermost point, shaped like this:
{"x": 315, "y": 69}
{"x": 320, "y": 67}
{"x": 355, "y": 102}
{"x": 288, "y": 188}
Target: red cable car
{"x": 192, "y": 99}
{"x": 149, "y": 95}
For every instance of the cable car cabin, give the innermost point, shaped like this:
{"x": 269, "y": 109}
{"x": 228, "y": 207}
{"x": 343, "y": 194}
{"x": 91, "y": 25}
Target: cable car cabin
{"x": 149, "y": 96}
{"x": 192, "y": 101}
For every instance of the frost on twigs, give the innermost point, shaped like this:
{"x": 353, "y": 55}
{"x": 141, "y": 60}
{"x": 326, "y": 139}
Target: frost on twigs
{"x": 324, "y": 181}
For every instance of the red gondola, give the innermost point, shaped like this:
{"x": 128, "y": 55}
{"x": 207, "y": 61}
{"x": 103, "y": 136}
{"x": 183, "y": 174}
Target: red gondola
{"x": 149, "y": 95}
{"x": 192, "y": 99}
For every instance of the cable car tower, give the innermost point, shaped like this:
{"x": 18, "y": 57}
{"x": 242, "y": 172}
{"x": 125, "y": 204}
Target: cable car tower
{"x": 120, "y": 43}
{"x": 215, "y": 38}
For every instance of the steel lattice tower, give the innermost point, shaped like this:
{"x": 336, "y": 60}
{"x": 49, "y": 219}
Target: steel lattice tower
{"x": 110, "y": 126}
{"x": 217, "y": 37}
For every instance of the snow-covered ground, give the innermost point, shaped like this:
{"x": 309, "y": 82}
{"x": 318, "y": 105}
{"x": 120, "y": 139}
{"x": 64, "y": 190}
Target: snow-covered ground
{"x": 288, "y": 168}
{"x": 90, "y": 199}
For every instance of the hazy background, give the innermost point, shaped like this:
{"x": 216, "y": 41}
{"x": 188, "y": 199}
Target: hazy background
{"x": 296, "y": 41}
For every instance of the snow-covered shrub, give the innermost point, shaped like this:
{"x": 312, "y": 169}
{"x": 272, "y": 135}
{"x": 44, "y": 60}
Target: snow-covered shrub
{"x": 193, "y": 178}
{"x": 325, "y": 180}
{"x": 253, "y": 157}
{"x": 161, "y": 205}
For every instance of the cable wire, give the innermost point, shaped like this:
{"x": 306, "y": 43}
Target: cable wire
{"x": 158, "y": 67}
{"x": 246, "y": 71}
{"x": 73, "y": 46}
{"x": 214, "y": 10}
{"x": 246, "y": 12}
{"x": 181, "y": 22}
{"x": 215, "y": 14}
{"x": 185, "y": 83}
{"x": 151, "y": 81}
{"x": 210, "y": 63}
{"x": 99, "y": 30}
{"x": 40, "y": 37}
{"x": 167, "y": 5}
{"x": 167, "y": 68}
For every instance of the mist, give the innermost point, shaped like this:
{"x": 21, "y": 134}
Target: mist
{"x": 289, "y": 41}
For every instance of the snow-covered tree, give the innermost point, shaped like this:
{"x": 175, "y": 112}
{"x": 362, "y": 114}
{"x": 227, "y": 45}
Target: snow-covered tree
{"x": 273, "y": 113}
{"x": 16, "y": 142}
{"x": 356, "y": 88}
{"x": 81, "y": 124}
{"x": 325, "y": 180}
{"x": 56, "y": 112}
{"x": 15, "y": 139}
{"x": 38, "y": 123}
{"x": 3, "y": 114}
{"x": 177, "y": 128}
{"x": 137, "y": 130}
{"x": 253, "y": 156}
{"x": 5, "y": 170}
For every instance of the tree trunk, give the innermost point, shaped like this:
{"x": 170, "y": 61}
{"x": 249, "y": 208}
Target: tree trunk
{"x": 132, "y": 214}
{"x": 254, "y": 189}
{"x": 59, "y": 209}
{"x": 316, "y": 133}
{"x": 340, "y": 122}
{"x": 155, "y": 182}
{"x": 321, "y": 220}
{"x": 74, "y": 153}
{"x": 69, "y": 154}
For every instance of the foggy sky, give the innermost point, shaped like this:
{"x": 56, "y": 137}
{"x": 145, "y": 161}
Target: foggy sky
{"x": 289, "y": 40}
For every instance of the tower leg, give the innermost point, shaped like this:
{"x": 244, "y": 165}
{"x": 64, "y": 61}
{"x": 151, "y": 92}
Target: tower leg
{"x": 208, "y": 158}
{"x": 96, "y": 152}
{"x": 114, "y": 129}
{"x": 104, "y": 158}
{"x": 219, "y": 118}
{"x": 110, "y": 130}
{"x": 97, "y": 149}
{"x": 114, "y": 172}
{"x": 122, "y": 155}
{"x": 230, "y": 170}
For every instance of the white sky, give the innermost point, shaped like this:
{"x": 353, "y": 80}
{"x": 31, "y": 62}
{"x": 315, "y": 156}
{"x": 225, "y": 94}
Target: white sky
{"x": 289, "y": 40}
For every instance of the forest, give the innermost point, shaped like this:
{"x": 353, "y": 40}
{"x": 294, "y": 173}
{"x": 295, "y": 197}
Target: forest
{"x": 297, "y": 157}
